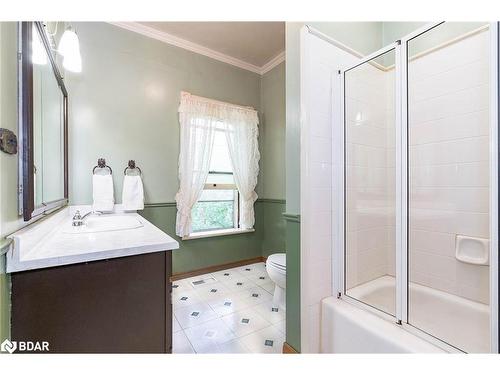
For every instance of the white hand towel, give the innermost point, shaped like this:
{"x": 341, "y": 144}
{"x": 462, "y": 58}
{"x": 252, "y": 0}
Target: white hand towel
{"x": 133, "y": 193}
{"x": 102, "y": 191}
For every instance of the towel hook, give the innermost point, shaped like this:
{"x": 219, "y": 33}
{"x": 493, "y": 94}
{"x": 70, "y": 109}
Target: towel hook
{"x": 101, "y": 163}
{"x": 131, "y": 165}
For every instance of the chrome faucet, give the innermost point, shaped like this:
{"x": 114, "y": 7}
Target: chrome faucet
{"x": 79, "y": 220}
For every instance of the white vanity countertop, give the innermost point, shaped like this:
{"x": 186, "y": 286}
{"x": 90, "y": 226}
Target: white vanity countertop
{"x": 53, "y": 242}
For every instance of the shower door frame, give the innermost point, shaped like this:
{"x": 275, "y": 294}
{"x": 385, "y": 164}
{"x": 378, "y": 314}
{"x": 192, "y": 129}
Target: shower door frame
{"x": 339, "y": 136}
{"x": 402, "y": 218}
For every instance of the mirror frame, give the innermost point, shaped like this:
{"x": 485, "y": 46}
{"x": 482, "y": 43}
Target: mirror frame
{"x": 26, "y": 180}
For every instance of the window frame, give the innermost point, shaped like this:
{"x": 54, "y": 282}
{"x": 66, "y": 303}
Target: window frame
{"x": 236, "y": 210}
{"x": 236, "y": 201}
{"x": 222, "y": 232}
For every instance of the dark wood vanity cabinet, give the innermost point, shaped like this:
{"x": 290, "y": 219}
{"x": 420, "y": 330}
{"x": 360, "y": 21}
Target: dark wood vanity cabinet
{"x": 119, "y": 305}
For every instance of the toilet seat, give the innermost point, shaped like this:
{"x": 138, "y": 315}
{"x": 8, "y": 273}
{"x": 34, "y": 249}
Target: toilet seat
{"x": 278, "y": 261}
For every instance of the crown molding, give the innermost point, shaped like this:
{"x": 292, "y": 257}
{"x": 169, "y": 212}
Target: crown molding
{"x": 275, "y": 61}
{"x": 197, "y": 48}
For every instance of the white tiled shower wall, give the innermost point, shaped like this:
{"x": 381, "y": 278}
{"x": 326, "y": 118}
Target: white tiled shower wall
{"x": 449, "y": 176}
{"x": 449, "y": 172}
{"x": 449, "y": 161}
{"x": 370, "y": 179}
{"x": 320, "y": 63}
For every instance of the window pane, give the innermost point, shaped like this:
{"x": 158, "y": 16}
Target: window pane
{"x": 214, "y": 210}
{"x": 220, "y": 161}
{"x": 220, "y": 178}
{"x": 369, "y": 183}
{"x": 217, "y": 195}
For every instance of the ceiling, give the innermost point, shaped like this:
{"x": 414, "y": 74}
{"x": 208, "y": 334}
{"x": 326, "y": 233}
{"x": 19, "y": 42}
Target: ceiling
{"x": 255, "y": 43}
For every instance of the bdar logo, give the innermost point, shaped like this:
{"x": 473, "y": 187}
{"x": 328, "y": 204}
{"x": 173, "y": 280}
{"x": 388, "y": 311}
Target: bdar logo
{"x": 24, "y": 346}
{"x": 8, "y": 346}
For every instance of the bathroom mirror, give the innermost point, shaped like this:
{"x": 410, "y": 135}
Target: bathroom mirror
{"x": 43, "y": 125}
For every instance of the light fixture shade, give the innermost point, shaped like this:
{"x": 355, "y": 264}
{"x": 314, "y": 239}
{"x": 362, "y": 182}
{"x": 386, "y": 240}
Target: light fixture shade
{"x": 69, "y": 48}
{"x": 38, "y": 53}
{"x": 69, "y": 43}
{"x": 73, "y": 63}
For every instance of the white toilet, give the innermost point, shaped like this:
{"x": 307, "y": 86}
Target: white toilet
{"x": 276, "y": 269}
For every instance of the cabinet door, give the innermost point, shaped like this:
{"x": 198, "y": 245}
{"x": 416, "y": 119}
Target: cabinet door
{"x": 119, "y": 305}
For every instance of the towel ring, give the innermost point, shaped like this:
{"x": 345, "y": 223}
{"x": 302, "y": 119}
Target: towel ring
{"x": 101, "y": 163}
{"x": 131, "y": 165}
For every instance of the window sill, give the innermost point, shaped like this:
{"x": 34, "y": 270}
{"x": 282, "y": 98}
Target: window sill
{"x": 216, "y": 233}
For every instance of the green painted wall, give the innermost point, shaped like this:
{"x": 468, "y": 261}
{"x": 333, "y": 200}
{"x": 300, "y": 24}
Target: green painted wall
{"x": 274, "y": 232}
{"x": 124, "y": 106}
{"x": 293, "y": 281}
{"x": 273, "y": 143}
{"x": 364, "y": 37}
{"x": 204, "y": 252}
{"x": 269, "y": 237}
{"x": 272, "y": 133}
{"x": 292, "y": 151}
{"x": 293, "y": 182}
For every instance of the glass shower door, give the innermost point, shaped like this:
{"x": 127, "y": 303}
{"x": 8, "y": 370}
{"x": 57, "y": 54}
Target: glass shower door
{"x": 448, "y": 184}
{"x": 369, "y": 167}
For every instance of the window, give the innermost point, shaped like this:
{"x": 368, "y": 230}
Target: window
{"x": 218, "y": 206}
{"x": 218, "y": 150}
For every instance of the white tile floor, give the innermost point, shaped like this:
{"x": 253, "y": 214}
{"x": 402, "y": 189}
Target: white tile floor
{"x": 229, "y": 311}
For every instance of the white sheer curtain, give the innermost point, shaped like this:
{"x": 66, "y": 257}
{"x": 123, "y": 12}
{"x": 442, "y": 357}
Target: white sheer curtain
{"x": 197, "y": 128}
{"x": 198, "y": 119}
{"x": 241, "y": 134}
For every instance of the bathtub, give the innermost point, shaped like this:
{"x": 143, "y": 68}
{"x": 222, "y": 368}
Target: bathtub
{"x": 348, "y": 328}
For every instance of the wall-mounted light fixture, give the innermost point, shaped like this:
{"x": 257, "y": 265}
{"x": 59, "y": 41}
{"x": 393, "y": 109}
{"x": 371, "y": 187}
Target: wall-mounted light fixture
{"x": 69, "y": 49}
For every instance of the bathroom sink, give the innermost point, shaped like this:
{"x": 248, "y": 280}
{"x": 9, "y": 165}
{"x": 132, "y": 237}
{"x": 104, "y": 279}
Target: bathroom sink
{"x": 105, "y": 223}
{"x": 54, "y": 241}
